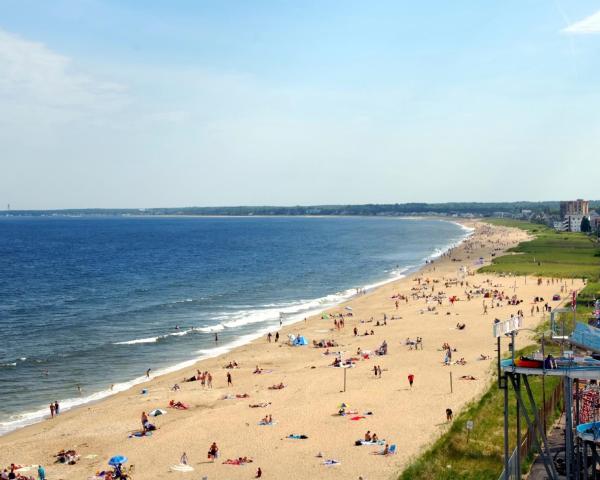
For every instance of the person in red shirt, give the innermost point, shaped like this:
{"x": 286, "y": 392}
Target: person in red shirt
{"x": 411, "y": 379}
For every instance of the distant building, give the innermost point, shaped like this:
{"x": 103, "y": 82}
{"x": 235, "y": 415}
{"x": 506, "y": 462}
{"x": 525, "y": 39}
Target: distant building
{"x": 595, "y": 221}
{"x": 560, "y": 226}
{"x": 572, "y": 213}
{"x": 575, "y": 207}
{"x": 573, "y": 222}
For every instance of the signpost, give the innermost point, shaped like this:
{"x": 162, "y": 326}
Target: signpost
{"x": 469, "y": 428}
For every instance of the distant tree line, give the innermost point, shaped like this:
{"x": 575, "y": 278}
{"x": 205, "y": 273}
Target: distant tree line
{"x": 395, "y": 209}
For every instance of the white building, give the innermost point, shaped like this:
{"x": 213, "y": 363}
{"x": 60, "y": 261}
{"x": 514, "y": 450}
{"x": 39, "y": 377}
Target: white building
{"x": 573, "y": 222}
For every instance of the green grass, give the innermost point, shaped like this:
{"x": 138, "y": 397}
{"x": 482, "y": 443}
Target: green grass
{"x": 549, "y": 254}
{"x": 452, "y": 458}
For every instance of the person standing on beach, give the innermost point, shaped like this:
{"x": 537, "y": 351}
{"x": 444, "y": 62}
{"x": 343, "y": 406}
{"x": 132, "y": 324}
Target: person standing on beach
{"x": 56, "y": 407}
{"x": 269, "y": 337}
{"x": 208, "y": 380}
{"x": 51, "y": 410}
{"x": 449, "y": 415}
{"x": 41, "y": 473}
{"x": 148, "y": 373}
{"x": 216, "y": 338}
{"x": 411, "y": 379}
{"x": 229, "y": 381}
{"x": 213, "y": 451}
{"x": 276, "y": 337}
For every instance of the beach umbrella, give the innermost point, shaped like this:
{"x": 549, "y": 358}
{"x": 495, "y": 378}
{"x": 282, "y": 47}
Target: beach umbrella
{"x": 157, "y": 412}
{"x": 114, "y": 461}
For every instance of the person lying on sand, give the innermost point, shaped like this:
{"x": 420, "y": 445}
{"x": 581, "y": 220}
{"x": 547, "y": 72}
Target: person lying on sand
{"x": 69, "y": 457}
{"x": 232, "y": 365}
{"x": 277, "y": 387}
{"x": 467, "y": 377}
{"x": 259, "y": 405}
{"x": 484, "y": 357}
{"x": 238, "y": 461}
{"x": 267, "y": 420}
{"x": 175, "y": 388}
{"x": 178, "y": 405}
{"x": 257, "y": 370}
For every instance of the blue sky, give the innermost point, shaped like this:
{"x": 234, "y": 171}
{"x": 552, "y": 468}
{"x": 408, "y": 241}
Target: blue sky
{"x": 179, "y": 103}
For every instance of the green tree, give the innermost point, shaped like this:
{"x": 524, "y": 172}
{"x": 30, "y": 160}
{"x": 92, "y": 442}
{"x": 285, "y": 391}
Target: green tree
{"x": 586, "y": 226}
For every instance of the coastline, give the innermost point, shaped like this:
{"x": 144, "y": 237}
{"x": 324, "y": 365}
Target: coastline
{"x": 307, "y": 404}
{"x": 38, "y": 415}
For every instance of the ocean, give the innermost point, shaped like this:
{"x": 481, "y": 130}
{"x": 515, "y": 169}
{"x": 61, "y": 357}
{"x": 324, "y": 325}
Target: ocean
{"x": 90, "y": 302}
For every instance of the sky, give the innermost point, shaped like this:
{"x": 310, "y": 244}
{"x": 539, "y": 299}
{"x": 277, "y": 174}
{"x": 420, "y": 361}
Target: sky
{"x": 146, "y": 103}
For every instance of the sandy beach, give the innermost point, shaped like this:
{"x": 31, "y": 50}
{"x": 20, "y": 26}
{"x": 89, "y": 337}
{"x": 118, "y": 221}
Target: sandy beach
{"x": 308, "y": 405}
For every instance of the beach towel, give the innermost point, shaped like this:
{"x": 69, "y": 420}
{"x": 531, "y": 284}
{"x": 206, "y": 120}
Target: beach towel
{"x": 182, "y": 468}
{"x": 364, "y": 442}
{"x": 267, "y": 423}
{"x": 297, "y": 437}
{"x": 331, "y": 462}
{"x": 358, "y": 417}
{"x": 391, "y": 450}
{"x": 139, "y": 434}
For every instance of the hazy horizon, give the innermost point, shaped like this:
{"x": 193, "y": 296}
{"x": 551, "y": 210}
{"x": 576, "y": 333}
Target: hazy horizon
{"x": 108, "y": 104}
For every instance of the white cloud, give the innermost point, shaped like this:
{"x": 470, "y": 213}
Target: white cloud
{"x": 38, "y": 83}
{"x": 588, "y": 25}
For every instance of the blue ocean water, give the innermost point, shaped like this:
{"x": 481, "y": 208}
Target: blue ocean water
{"x": 91, "y": 301}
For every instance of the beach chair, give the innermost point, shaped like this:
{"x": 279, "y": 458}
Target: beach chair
{"x": 392, "y": 449}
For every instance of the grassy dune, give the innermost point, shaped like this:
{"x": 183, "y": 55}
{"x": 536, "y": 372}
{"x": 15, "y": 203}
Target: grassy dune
{"x": 549, "y": 254}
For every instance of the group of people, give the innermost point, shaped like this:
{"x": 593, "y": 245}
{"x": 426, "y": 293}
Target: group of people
{"x": 270, "y": 337}
{"x": 205, "y": 379}
{"x": 13, "y": 473}
{"x": 54, "y": 409}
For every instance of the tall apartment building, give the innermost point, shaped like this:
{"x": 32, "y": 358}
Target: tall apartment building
{"x": 577, "y": 207}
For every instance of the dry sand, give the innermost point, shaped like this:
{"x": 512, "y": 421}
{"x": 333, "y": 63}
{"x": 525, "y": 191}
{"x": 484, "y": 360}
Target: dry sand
{"x": 411, "y": 419}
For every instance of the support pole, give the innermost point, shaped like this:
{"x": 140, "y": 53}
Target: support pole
{"x": 451, "y": 382}
{"x": 539, "y": 424}
{"x": 518, "y": 449}
{"x": 506, "y": 454}
{"x": 568, "y": 426}
{"x": 594, "y": 461}
{"x": 585, "y": 464}
{"x": 577, "y": 439}
{"x": 548, "y": 465}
